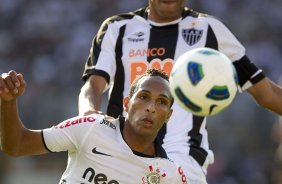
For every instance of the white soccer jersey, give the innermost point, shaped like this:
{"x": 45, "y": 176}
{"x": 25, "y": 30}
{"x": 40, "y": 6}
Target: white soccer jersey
{"x": 97, "y": 153}
{"x": 128, "y": 44}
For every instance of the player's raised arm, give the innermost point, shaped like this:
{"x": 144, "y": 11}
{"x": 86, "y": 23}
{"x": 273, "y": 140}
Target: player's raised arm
{"x": 15, "y": 139}
{"x": 90, "y": 97}
{"x": 267, "y": 94}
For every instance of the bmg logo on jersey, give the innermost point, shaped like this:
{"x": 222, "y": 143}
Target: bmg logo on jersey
{"x": 93, "y": 177}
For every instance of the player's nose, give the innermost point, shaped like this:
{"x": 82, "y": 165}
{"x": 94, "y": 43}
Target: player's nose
{"x": 151, "y": 107}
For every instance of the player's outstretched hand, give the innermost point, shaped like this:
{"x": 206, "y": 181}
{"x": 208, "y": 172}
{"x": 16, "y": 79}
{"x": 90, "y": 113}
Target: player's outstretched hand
{"x": 12, "y": 85}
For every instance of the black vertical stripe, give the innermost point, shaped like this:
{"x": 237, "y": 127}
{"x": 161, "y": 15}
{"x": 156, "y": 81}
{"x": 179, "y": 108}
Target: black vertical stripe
{"x": 211, "y": 39}
{"x": 163, "y": 37}
{"x": 115, "y": 107}
{"x": 194, "y": 133}
{"x": 97, "y": 42}
{"x": 196, "y": 151}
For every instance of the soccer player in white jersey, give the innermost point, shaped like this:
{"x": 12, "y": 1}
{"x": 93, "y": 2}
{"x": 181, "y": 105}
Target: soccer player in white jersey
{"x": 154, "y": 37}
{"x": 100, "y": 149}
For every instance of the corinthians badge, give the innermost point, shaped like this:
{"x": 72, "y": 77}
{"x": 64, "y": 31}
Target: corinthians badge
{"x": 154, "y": 176}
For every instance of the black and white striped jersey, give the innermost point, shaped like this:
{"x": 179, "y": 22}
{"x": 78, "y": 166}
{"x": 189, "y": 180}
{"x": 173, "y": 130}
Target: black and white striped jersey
{"x": 128, "y": 44}
{"x": 97, "y": 153}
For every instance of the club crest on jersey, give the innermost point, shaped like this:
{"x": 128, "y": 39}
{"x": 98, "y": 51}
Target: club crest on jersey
{"x": 154, "y": 176}
{"x": 192, "y": 36}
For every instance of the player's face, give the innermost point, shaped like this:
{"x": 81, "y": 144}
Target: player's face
{"x": 165, "y": 10}
{"x": 149, "y": 107}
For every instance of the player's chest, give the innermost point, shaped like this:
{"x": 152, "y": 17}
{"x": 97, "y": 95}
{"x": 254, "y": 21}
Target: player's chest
{"x": 115, "y": 163}
{"x": 150, "y": 42}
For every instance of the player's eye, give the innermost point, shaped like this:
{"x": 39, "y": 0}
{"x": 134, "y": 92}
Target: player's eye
{"x": 143, "y": 96}
{"x": 163, "y": 102}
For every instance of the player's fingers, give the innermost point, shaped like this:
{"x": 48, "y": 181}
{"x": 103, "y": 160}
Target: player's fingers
{"x": 20, "y": 79}
{"x": 14, "y": 77}
{"x": 2, "y": 85}
{"x": 21, "y": 84}
{"x": 11, "y": 82}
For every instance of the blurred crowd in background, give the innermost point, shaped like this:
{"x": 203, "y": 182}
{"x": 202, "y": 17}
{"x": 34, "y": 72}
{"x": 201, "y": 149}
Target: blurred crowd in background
{"x": 49, "y": 42}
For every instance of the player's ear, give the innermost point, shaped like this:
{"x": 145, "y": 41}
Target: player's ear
{"x": 125, "y": 103}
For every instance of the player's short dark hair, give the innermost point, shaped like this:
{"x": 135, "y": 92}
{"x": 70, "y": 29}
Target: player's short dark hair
{"x": 149, "y": 72}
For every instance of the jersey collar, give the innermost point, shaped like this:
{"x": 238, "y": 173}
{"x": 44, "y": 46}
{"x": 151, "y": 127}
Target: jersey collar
{"x": 160, "y": 152}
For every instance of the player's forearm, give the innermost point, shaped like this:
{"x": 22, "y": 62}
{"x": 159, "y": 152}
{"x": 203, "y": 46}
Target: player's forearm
{"x": 276, "y": 105}
{"x": 268, "y": 95}
{"x": 11, "y": 128}
{"x": 88, "y": 101}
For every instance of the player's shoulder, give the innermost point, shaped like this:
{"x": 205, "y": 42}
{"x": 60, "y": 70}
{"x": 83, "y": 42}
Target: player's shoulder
{"x": 79, "y": 122}
{"x": 188, "y": 12}
{"x": 125, "y": 16}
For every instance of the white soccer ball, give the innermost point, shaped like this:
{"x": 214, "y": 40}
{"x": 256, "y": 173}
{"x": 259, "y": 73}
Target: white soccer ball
{"x": 203, "y": 81}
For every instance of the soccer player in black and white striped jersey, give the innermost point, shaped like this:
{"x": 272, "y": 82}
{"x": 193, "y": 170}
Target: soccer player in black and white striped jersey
{"x": 154, "y": 37}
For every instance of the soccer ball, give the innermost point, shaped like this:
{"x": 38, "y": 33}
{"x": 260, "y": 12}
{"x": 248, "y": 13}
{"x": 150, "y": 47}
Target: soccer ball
{"x": 203, "y": 81}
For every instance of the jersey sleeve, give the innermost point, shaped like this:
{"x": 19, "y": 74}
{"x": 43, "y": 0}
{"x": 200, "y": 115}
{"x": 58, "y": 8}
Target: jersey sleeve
{"x": 101, "y": 60}
{"x": 248, "y": 72}
{"x": 227, "y": 42}
{"x": 68, "y": 135}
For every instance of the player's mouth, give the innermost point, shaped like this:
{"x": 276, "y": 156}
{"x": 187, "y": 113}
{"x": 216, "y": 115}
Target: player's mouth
{"x": 168, "y": 1}
{"x": 147, "y": 122}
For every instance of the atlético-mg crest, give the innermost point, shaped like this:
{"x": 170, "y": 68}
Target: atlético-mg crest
{"x": 192, "y": 36}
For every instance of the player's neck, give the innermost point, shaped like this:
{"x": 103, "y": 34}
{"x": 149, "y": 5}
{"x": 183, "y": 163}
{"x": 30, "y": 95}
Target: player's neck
{"x": 142, "y": 148}
{"x": 144, "y": 145}
{"x": 159, "y": 19}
